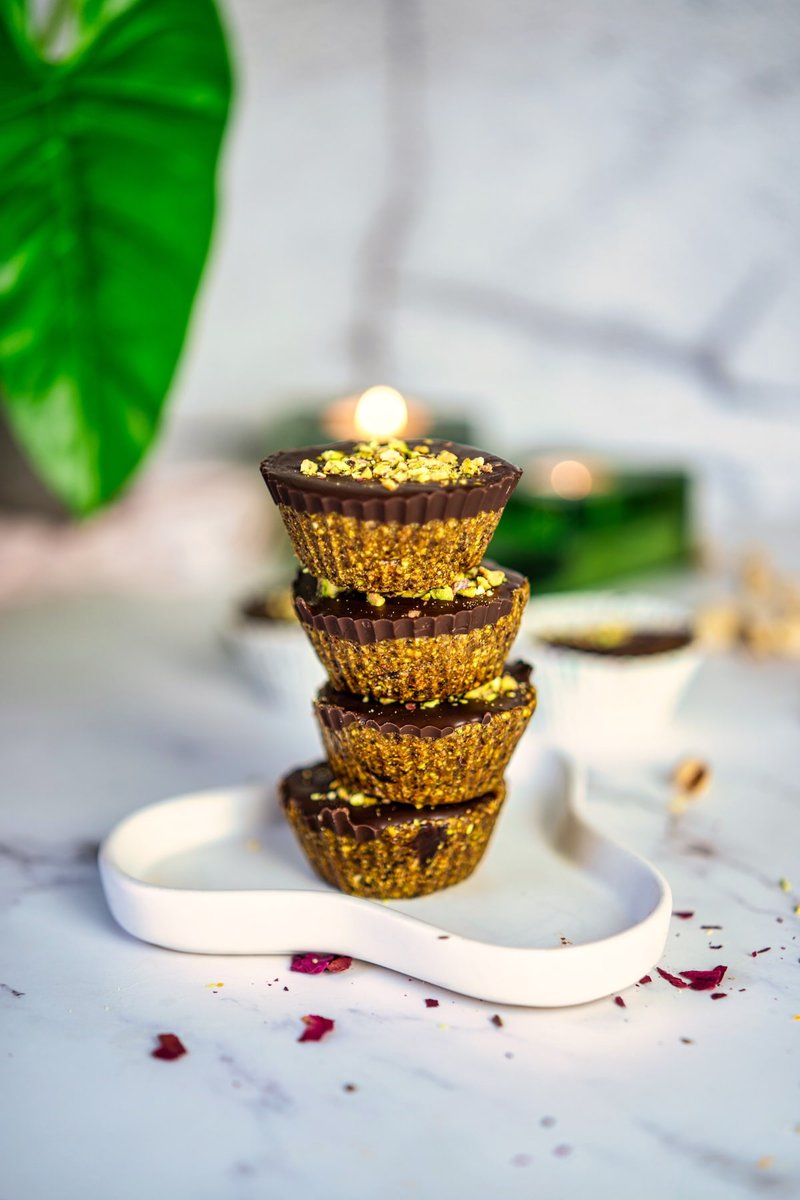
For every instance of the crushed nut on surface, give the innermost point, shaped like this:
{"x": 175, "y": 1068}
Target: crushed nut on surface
{"x": 692, "y": 777}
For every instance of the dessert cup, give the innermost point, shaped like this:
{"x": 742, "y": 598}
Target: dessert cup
{"x": 411, "y": 649}
{"x": 385, "y": 851}
{"x": 438, "y": 753}
{"x": 415, "y": 528}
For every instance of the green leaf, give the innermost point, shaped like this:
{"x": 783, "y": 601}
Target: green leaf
{"x": 107, "y": 169}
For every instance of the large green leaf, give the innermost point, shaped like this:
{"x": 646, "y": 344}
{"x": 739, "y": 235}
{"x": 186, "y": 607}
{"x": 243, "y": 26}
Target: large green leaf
{"x": 107, "y": 168}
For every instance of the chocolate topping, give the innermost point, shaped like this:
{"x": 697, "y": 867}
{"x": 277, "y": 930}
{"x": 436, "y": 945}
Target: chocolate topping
{"x": 368, "y": 822}
{"x": 637, "y": 644}
{"x": 340, "y": 709}
{"x": 350, "y": 615}
{"x": 368, "y": 500}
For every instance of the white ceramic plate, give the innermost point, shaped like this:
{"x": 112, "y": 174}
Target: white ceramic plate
{"x": 220, "y": 873}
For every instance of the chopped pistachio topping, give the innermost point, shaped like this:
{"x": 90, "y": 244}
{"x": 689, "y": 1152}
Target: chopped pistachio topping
{"x": 479, "y": 581}
{"x": 327, "y": 590}
{"x": 501, "y": 685}
{"x": 393, "y": 462}
{"x": 338, "y": 792}
{"x": 608, "y": 636}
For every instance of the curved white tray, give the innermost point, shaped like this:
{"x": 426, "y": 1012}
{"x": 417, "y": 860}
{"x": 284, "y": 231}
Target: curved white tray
{"x": 219, "y": 873}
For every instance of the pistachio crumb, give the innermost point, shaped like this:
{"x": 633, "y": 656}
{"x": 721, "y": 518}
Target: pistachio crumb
{"x": 692, "y": 777}
{"x": 393, "y": 462}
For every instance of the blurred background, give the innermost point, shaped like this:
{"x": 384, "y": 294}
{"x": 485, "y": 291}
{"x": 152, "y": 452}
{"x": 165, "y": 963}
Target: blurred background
{"x": 569, "y": 232}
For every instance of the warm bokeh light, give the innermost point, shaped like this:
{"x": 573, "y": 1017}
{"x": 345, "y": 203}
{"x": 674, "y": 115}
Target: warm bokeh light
{"x": 381, "y": 412}
{"x": 570, "y": 479}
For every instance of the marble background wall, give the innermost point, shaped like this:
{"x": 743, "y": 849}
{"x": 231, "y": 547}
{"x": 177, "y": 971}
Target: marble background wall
{"x": 579, "y": 220}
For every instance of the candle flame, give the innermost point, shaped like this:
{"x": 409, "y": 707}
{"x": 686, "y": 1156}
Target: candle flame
{"x": 381, "y": 412}
{"x": 570, "y": 479}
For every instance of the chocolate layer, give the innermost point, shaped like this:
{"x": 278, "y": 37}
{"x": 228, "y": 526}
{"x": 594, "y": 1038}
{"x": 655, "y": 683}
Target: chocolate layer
{"x": 637, "y": 644}
{"x": 364, "y": 823}
{"x": 367, "y": 500}
{"x": 350, "y": 616}
{"x": 337, "y": 710}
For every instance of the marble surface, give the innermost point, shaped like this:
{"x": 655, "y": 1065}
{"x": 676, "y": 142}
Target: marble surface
{"x": 110, "y": 704}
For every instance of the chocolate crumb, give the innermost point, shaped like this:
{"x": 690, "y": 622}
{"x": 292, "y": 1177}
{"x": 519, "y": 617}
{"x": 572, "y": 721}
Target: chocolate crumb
{"x": 349, "y": 1087}
{"x": 547, "y": 1122}
{"x": 496, "y": 1020}
{"x": 688, "y": 1041}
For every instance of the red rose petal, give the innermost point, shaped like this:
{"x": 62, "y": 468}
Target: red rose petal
{"x": 673, "y": 979}
{"x": 169, "y": 1046}
{"x": 646, "y": 979}
{"x": 342, "y": 963}
{"x": 686, "y": 915}
{"x": 431, "y": 1003}
{"x": 316, "y": 1028}
{"x": 310, "y": 964}
{"x": 618, "y": 1000}
{"x": 705, "y": 981}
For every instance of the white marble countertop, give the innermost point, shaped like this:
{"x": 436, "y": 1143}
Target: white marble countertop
{"x": 110, "y": 704}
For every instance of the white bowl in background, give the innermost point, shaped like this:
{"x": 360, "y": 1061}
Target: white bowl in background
{"x": 605, "y": 703}
{"x": 275, "y": 656}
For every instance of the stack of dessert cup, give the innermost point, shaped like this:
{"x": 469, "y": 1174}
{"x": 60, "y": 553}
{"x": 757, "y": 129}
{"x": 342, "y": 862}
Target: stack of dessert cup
{"x": 421, "y": 713}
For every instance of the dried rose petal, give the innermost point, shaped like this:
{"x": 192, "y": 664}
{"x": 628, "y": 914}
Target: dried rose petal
{"x": 718, "y": 995}
{"x": 685, "y": 915}
{"x": 704, "y": 981}
{"x": 429, "y": 1003}
{"x": 618, "y": 1000}
{"x": 673, "y": 979}
{"x": 310, "y": 964}
{"x": 169, "y": 1046}
{"x": 316, "y": 1028}
{"x": 646, "y": 979}
{"x": 341, "y": 963}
